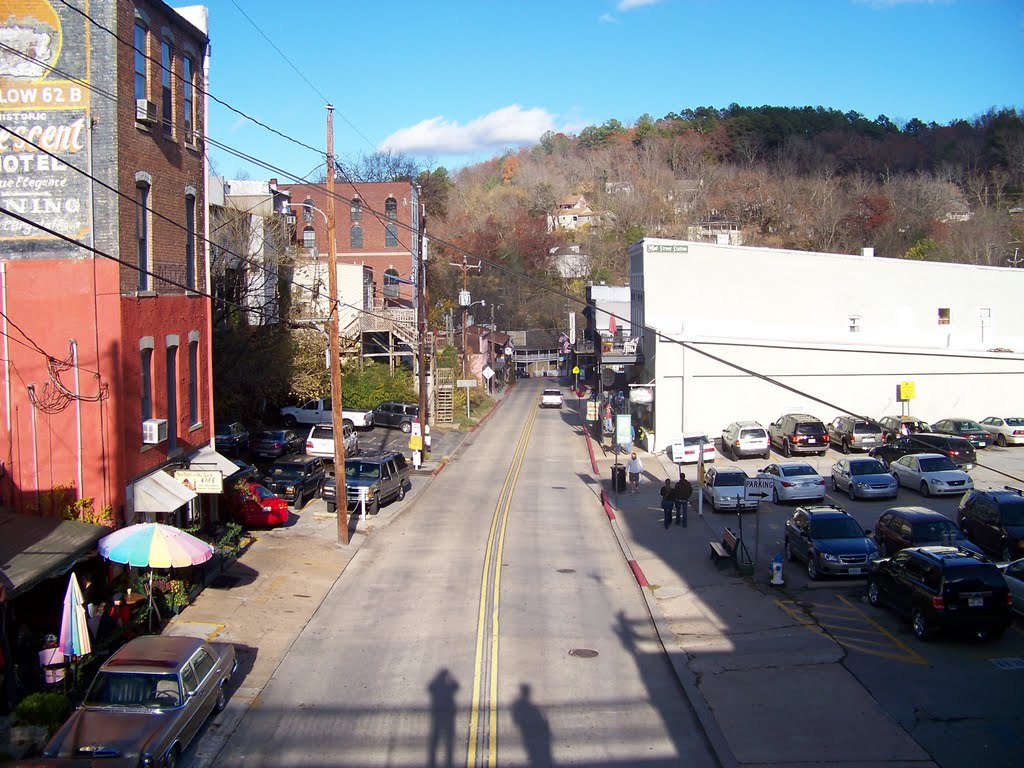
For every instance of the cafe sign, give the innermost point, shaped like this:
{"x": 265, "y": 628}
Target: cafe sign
{"x": 201, "y": 480}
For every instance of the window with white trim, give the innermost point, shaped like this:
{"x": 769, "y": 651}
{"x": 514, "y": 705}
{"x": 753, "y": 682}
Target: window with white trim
{"x": 193, "y": 381}
{"x": 190, "y": 241}
{"x": 188, "y": 106}
{"x": 356, "y": 236}
{"x": 141, "y": 62}
{"x": 391, "y": 236}
{"x": 146, "y": 360}
{"x": 166, "y": 93}
{"x": 309, "y": 238}
{"x": 142, "y": 203}
{"x": 172, "y": 398}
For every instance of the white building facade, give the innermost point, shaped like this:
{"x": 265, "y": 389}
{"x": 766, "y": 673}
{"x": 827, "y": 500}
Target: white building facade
{"x": 733, "y": 332}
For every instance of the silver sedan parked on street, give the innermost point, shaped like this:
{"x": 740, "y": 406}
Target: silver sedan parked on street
{"x": 932, "y": 474}
{"x": 725, "y": 488}
{"x": 794, "y": 481}
{"x": 864, "y": 478}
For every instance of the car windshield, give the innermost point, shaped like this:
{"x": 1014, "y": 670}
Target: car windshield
{"x": 134, "y": 689}
{"x": 866, "y": 468}
{"x": 836, "y": 528}
{"x": 729, "y": 479}
{"x": 282, "y": 472}
{"x": 975, "y": 576}
{"x": 799, "y": 470}
{"x": 552, "y": 392}
{"x": 810, "y": 429}
{"x": 222, "y": 429}
{"x": 1012, "y": 512}
{"x": 965, "y": 425}
{"x": 753, "y": 434}
{"x": 271, "y": 436}
{"x": 936, "y": 530}
{"x": 322, "y": 432}
{"x": 937, "y": 464}
{"x": 866, "y": 428}
{"x": 698, "y": 440}
{"x": 1014, "y": 422}
{"x": 362, "y": 470}
{"x": 262, "y": 493}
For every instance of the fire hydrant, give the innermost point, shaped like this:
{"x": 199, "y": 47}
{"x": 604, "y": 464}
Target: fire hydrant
{"x": 776, "y": 568}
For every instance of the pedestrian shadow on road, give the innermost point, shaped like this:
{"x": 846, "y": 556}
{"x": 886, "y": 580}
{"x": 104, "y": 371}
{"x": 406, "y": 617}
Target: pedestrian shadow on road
{"x": 442, "y": 718}
{"x": 534, "y": 729}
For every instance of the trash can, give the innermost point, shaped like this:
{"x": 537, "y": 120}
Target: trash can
{"x": 618, "y": 477}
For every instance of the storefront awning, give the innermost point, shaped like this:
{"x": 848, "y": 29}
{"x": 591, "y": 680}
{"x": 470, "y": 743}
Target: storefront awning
{"x": 37, "y": 548}
{"x": 207, "y": 458}
{"x": 159, "y": 492}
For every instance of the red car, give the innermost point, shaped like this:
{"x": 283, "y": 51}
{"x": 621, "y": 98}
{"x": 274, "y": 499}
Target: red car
{"x": 253, "y": 505}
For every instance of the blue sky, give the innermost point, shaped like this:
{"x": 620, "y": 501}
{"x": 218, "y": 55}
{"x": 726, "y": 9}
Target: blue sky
{"x": 453, "y": 82}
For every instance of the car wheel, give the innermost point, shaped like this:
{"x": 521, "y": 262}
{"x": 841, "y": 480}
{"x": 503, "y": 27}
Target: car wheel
{"x": 1001, "y": 440}
{"x": 172, "y": 758}
{"x": 373, "y": 508}
{"x": 775, "y": 495}
{"x": 786, "y": 450}
{"x": 812, "y": 566}
{"x": 924, "y": 490}
{"x": 844, "y": 446}
{"x": 920, "y": 624}
{"x": 331, "y": 507}
{"x": 851, "y": 492}
{"x": 298, "y": 500}
{"x": 874, "y": 594}
{"x": 401, "y": 492}
{"x": 790, "y": 554}
{"x": 347, "y": 423}
{"x": 290, "y": 421}
{"x": 222, "y": 699}
{"x": 767, "y": 455}
{"x": 406, "y": 427}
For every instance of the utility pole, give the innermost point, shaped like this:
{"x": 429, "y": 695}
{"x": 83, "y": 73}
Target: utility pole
{"x": 340, "y": 488}
{"x": 465, "y": 266}
{"x": 421, "y": 322}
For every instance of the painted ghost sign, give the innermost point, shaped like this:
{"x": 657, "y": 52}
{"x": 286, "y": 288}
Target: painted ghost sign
{"x": 44, "y": 119}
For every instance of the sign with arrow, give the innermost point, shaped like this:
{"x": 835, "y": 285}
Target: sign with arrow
{"x": 757, "y": 488}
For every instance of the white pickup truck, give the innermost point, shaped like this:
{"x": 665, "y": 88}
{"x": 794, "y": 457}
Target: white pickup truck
{"x": 318, "y": 411}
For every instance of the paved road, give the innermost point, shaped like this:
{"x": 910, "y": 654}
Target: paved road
{"x": 494, "y": 612}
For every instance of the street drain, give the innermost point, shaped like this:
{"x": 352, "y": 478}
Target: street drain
{"x": 583, "y": 653}
{"x": 567, "y": 570}
{"x": 558, "y": 487}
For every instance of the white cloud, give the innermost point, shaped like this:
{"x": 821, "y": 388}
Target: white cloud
{"x": 508, "y": 126}
{"x": 607, "y": 18}
{"x": 628, "y": 5}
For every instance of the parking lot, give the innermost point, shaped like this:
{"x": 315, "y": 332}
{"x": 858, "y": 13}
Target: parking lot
{"x": 955, "y": 696}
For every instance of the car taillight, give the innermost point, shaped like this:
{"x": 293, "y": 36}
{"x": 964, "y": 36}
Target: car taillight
{"x": 786, "y": 484}
{"x": 954, "y": 453}
{"x": 276, "y": 445}
{"x": 309, "y": 444}
{"x": 824, "y": 438}
{"x": 1009, "y": 600}
{"x": 820, "y": 481}
{"x": 1018, "y": 432}
{"x": 794, "y": 438}
{"x": 938, "y": 603}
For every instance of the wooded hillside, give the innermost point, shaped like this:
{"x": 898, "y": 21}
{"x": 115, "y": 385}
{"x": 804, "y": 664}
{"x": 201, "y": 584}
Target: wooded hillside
{"x": 807, "y": 178}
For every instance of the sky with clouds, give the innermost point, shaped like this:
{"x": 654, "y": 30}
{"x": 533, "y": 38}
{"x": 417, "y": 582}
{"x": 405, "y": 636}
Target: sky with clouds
{"x": 452, "y": 82}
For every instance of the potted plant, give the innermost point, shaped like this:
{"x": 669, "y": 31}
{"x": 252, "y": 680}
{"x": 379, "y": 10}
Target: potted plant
{"x": 176, "y": 594}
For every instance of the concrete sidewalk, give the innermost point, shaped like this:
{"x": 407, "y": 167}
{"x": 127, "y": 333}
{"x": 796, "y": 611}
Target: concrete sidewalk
{"x": 768, "y": 689}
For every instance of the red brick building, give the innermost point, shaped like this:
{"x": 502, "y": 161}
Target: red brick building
{"x": 376, "y": 225}
{"x": 106, "y": 381}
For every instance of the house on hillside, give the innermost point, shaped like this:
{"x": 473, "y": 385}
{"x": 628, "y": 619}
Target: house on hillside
{"x": 568, "y": 262}
{"x": 574, "y": 213}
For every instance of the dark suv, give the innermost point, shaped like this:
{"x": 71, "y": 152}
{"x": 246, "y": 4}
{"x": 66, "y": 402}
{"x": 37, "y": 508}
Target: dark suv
{"x": 230, "y": 437}
{"x": 897, "y": 426}
{"x": 943, "y": 588}
{"x": 829, "y": 540}
{"x": 994, "y": 520}
{"x": 902, "y": 527}
{"x": 396, "y": 414}
{"x": 957, "y": 448}
{"x": 380, "y": 476}
{"x": 848, "y": 433}
{"x": 296, "y": 478}
{"x": 797, "y": 433}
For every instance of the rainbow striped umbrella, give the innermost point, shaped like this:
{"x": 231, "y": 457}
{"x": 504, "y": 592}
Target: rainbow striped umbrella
{"x": 154, "y": 545}
{"x": 74, "y": 631}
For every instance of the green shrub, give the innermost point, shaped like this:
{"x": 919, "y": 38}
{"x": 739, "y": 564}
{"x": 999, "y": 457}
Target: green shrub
{"x": 44, "y": 709}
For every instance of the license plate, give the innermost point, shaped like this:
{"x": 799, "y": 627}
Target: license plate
{"x": 975, "y": 602}
{"x": 982, "y": 443}
{"x": 811, "y": 440}
{"x": 854, "y": 571}
{"x": 867, "y": 439}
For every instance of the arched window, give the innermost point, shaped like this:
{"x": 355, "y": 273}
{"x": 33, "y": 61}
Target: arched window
{"x": 307, "y": 210}
{"x": 309, "y": 238}
{"x": 391, "y": 282}
{"x": 391, "y": 209}
{"x": 391, "y": 236}
{"x": 356, "y": 236}
{"x": 355, "y": 211}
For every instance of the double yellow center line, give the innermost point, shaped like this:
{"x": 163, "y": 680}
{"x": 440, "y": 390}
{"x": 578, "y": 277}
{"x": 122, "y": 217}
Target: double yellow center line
{"x": 483, "y": 734}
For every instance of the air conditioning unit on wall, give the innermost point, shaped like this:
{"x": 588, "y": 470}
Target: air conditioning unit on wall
{"x": 154, "y": 431}
{"x": 145, "y": 111}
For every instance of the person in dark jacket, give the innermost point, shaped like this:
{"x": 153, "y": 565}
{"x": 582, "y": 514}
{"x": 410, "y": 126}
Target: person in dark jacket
{"x": 667, "y": 501}
{"x": 681, "y": 498}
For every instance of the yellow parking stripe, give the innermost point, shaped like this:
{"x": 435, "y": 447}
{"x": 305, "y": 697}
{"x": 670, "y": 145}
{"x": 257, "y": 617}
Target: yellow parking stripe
{"x": 911, "y": 655}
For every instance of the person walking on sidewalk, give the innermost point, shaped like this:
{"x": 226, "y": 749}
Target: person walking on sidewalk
{"x": 681, "y": 498}
{"x": 634, "y": 467}
{"x": 667, "y": 501}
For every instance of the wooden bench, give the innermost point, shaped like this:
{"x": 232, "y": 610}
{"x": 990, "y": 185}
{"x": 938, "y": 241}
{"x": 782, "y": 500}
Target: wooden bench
{"x": 724, "y": 553}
